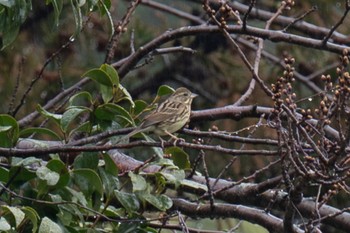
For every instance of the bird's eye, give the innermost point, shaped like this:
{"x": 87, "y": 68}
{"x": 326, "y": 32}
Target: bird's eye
{"x": 185, "y": 94}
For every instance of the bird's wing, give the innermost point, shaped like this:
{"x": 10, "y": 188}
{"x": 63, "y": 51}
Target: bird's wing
{"x": 157, "y": 117}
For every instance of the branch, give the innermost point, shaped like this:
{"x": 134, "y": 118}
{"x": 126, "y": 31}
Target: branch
{"x": 270, "y": 222}
{"x": 347, "y": 9}
{"x": 246, "y": 14}
{"x": 59, "y": 97}
{"x": 237, "y": 113}
{"x": 40, "y": 74}
{"x": 275, "y": 36}
{"x": 173, "y": 11}
{"x": 67, "y": 149}
{"x": 309, "y": 29}
{"x": 120, "y": 28}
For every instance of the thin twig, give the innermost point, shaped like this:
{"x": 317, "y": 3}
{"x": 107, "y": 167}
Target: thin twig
{"x": 34, "y": 80}
{"x": 252, "y": 83}
{"x": 132, "y": 41}
{"x": 223, "y": 28}
{"x": 207, "y": 180}
{"x": 120, "y": 28}
{"x": 327, "y": 37}
{"x": 58, "y": 98}
{"x": 246, "y": 14}
{"x": 313, "y": 8}
{"x": 173, "y": 11}
{"x": 176, "y": 49}
{"x": 15, "y": 90}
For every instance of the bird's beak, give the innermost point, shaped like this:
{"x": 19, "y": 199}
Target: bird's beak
{"x": 193, "y": 95}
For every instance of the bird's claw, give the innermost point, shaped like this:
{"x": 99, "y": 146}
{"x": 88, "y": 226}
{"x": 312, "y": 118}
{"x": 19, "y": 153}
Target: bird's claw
{"x": 177, "y": 140}
{"x": 162, "y": 142}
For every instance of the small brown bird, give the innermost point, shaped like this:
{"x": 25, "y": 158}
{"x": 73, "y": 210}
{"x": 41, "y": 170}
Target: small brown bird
{"x": 170, "y": 116}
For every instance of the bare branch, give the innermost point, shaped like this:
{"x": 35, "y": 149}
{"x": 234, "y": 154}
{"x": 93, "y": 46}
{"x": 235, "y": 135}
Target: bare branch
{"x": 246, "y": 14}
{"x": 328, "y": 36}
{"x": 120, "y": 28}
{"x": 276, "y": 36}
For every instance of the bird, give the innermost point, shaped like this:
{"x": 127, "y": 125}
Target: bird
{"x": 169, "y": 117}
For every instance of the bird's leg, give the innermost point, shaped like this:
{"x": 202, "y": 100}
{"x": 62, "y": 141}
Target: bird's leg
{"x": 174, "y": 137}
{"x": 161, "y": 142}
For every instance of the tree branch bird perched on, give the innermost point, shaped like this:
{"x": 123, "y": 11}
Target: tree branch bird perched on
{"x": 170, "y": 116}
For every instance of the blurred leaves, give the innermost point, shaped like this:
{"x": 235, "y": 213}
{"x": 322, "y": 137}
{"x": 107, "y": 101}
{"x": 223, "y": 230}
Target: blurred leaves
{"x": 9, "y": 131}
{"x": 14, "y": 13}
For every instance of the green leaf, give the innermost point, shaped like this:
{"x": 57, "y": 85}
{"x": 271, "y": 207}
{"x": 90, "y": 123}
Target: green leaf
{"x": 47, "y": 225}
{"x": 88, "y": 181}
{"x": 4, "y": 175}
{"x": 25, "y": 162}
{"x": 160, "y": 183}
{"x": 11, "y": 34}
{"x": 15, "y": 212}
{"x": 174, "y": 177}
{"x": 113, "y": 112}
{"x": 7, "y": 3}
{"x": 9, "y": 131}
{"x": 78, "y": 18}
{"x": 113, "y": 212}
{"x": 103, "y": 7}
{"x": 166, "y": 163}
{"x": 47, "y": 175}
{"x": 86, "y": 160}
{"x": 138, "y": 182}
{"x": 99, "y": 76}
{"x": 194, "y": 185}
{"x": 81, "y": 98}
{"x": 110, "y": 166}
{"x": 11, "y": 18}
{"x": 107, "y": 93}
{"x": 127, "y": 227}
{"x": 112, "y": 73}
{"x": 55, "y": 117}
{"x": 60, "y": 168}
{"x": 108, "y": 79}
{"x": 70, "y": 115}
{"x": 4, "y": 225}
{"x": 165, "y": 90}
{"x": 32, "y": 215}
{"x": 65, "y": 217}
{"x": 57, "y": 6}
{"x": 126, "y": 95}
{"x": 36, "y": 130}
{"x": 21, "y": 175}
{"x": 128, "y": 201}
{"x": 86, "y": 127}
{"x": 161, "y": 202}
{"x": 140, "y": 106}
{"x": 78, "y": 196}
{"x": 179, "y": 156}
{"x": 110, "y": 183}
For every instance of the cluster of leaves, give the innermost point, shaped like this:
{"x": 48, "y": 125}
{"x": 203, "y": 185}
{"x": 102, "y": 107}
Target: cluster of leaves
{"x": 14, "y": 13}
{"x": 49, "y": 196}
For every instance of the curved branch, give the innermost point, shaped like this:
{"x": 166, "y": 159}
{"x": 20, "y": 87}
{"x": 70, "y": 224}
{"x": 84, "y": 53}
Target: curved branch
{"x": 253, "y": 215}
{"x": 275, "y": 36}
{"x": 59, "y": 97}
{"x": 302, "y": 26}
{"x": 239, "y": 112}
